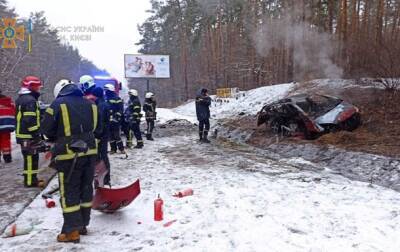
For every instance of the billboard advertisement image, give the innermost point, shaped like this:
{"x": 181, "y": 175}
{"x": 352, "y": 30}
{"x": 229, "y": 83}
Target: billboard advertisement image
{"x": 146, "y": 66}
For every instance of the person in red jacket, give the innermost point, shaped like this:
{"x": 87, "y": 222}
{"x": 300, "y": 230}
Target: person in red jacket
{"x": 7, "y": 125}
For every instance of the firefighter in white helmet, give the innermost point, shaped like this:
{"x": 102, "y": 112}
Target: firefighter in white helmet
{"x": 72, "y": 123}
{"x": 116, "y": 107}
{"x": 133, "y": 115}
{"x": 87, "y": 83}
{"x": 149, "y": 108}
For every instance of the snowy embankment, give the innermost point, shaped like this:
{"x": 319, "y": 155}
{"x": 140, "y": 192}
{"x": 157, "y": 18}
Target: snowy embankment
{"x": 165, "y": 115}
{"x": 249, "y": 102}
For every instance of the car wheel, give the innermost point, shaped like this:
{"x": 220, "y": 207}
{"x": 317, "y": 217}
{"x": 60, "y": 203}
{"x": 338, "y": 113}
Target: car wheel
{"x": 275, "y": 126}
{"x": 352, "y": 123}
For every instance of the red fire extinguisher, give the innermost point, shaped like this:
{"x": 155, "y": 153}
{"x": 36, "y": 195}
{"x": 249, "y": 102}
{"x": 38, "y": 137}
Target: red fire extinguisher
{"x": 158, "y": 209}
{"x": 50, "y": 203}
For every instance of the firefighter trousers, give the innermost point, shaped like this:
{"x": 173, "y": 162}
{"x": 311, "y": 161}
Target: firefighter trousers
{"x": 115, "y": 139}
{"x": 5, "y": 146}
{"x": 135, "y": 128}
{"x": 129, "y": 137}
{"x": 76, "y": 194}
{"x": 31, "y": 169}
{"x": 103, "y": 155}
{"x": 150, "y": 126}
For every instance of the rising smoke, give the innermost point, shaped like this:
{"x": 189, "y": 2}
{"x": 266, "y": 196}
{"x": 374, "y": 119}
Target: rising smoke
{"x": 312, "y": 50}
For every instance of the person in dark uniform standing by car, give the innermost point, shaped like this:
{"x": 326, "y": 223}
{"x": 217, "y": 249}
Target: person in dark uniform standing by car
{"x": 149, "y": 108}
{"x": 72, "y": 123}
{"x": 203, "y": 103}
{"x": 133, "y": 115}
{"x": 28, "y": 126}
{"x": 116, "y": 107}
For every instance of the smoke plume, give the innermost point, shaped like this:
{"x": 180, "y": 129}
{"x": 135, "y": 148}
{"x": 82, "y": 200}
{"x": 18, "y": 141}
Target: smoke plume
{"x": 312, "y": 50}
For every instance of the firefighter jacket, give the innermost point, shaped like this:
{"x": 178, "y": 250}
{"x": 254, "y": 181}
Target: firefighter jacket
{"x": 132, "y": 112}
{"x": 149, "y": 107}
{"x": 28, "y": 116}
{"x": 70, "y": 118}
{"x": 7, "y": 114}
{"x": 116, "y": 109}
{"x": 104, "y": 111}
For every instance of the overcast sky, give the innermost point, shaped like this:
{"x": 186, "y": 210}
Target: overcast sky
{"x": 118, "y": 18}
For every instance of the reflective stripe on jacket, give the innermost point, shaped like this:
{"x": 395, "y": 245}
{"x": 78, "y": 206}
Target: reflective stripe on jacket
{"x": 71, "y": 118}
{"x": 27, "y": 117}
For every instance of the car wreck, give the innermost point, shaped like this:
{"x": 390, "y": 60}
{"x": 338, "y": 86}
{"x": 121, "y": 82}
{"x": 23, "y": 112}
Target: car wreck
{"x": 309, "y": 116}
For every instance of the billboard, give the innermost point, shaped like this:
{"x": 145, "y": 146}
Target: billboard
{"x": 146, "y": 66}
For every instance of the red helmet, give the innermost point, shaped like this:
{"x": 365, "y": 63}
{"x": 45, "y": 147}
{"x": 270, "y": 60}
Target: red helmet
{"x": 31, "y": 82}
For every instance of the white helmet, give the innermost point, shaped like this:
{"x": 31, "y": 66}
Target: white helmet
{"x": 149, "y": 95}
{"x": 86, "y": 81}
{"x": 60, "y": 85}
{"x": 109, "y": 87}
{"x": 133, "y": 92}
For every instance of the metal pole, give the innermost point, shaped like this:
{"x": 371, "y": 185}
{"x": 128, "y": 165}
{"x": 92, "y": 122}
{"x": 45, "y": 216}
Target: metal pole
{"x": 148, "y": 85}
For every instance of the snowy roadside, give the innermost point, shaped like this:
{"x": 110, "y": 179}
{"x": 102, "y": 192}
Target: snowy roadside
{"x": 14, "y": 197}
{"x": 242, "y": 202}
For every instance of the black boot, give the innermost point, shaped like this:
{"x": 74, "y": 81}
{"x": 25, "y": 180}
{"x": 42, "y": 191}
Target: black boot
{"x": 7, "y": 158}
{"x": 205, "y": 139}
{"x": 201, "y": 136}
{"x": 139, "y": 145}
{"x": 149, "y": 137}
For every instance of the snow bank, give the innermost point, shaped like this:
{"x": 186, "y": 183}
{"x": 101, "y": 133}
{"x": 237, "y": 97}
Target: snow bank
{"x": 164, "y": 115}
{"x": 249, "y": 102}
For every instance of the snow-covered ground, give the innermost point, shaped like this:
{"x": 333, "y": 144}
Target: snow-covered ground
{"x": 167, "y": 114}
{"x": 13, "y": 196}
{"x": 242, "y": 200}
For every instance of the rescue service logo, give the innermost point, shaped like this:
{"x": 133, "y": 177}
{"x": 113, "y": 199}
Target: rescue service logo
{"x": 11, "y": 32}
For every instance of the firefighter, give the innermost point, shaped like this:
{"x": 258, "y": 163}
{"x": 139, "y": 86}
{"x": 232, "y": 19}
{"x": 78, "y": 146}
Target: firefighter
{"x": 28, "y": 126}
{"x": 127, "y": 132}
{"x": 116, "y": 108}
{"x": 133, "y": 115}
{"x": 87, "y": 85}
{"x": 7, "y": 125}
{"x": 203, "y": 103}
{"x": 72, "y": 123}
{"x": 104, "y": 110}
{"x": 149, "y": 108}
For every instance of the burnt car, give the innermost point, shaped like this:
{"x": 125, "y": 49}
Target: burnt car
{"x": 309, "y": 115}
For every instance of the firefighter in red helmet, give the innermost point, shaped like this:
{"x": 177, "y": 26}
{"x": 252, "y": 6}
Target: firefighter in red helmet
{"x": 28, "y": 126}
